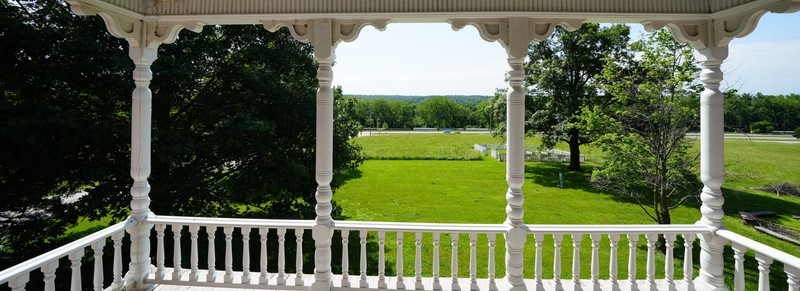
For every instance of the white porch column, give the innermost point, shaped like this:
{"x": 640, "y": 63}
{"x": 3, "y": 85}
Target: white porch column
{"x": 711, "y": 166}
{"x": 323, "y": 225}
{"x": 142, "y": 100}
{"x": 517, "y": 49}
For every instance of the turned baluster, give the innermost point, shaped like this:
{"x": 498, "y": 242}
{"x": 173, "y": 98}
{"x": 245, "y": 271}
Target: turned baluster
{"x": 211, "y": 276}
{"x": 75, "y": 261}
{"x": 49, "y": 271}
{"x": 281, "y": 256}
{"x": 345, "y": 258}
{"x": 576, "y": 260}
{"x": 473, "y": 267}
{"x": 764, "y": 262}
{"x": 596, "y": 237}
{"x": 381, "y": 260}
{"x": 228, "y": 231}
{"x": 613, "y": 269}
{"x": 362, "y": 283}
{"x": 454, "y": 261}
{"x": 436, "y": 284}
{"x": 160, "y": 250}
{"x": 492, "y": 237}
{"x": 263, "y": 278}
{"x": 688, "y": 264}
{"x": 739, "y": 252}
{"x": 193, "y": 261}
{"x": 652, "y": 238}
{"x": 298, "y": 279}
{"x": 245, "y": 255}
{"x": 418, "y": 261}
{"x": 632, "y": 239}
{"x": 176, "y": 252}
{"x": 557, "y": 239}
{"x": 400, "y": 283}
{"x": 539, "y": 240}
{"x": 669, "y": 263}
{"x": 97, "y": 248}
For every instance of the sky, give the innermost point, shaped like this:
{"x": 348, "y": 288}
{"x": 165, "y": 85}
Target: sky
{"x": 432, "y": 59}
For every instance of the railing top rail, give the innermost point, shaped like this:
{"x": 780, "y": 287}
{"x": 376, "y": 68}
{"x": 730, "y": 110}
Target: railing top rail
{"x": 618, "y": 228}
{"x": 230, "y": 222}
{"x": 58, "y": 253}
{"x": 421, "y": 227}
{"x": 758, "y": 247}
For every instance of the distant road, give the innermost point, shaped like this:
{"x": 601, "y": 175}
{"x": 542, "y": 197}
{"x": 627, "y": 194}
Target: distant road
{"x": 755, "y": 137}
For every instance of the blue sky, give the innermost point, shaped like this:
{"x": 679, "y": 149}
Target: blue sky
{"x": 432, "y": 59}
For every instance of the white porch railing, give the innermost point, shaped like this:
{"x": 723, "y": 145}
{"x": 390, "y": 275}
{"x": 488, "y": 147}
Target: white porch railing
{"x": 201, "y": 237}
{"x": 19, "y": 276}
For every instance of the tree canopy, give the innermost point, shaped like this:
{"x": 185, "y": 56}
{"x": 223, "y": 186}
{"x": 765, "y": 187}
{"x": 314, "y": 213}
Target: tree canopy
{"x": 233, "y": 124}
{"x": 561, "y": 79}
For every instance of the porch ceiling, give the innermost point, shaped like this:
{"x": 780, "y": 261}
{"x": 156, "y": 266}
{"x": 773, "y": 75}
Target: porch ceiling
{"x": 256, "y": 11}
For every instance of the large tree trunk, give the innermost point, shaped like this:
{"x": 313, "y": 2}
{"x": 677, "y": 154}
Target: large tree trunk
{"x": 661, "y": 245}
{"x": 574, "y": 151}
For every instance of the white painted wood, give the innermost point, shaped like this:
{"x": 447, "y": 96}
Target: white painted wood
{"x": 345, "y": 258}
{"x": 652, "y": 238}
{"x": 362, "y": 283}
{"x": 595, "y": 261}
{"x": 117, "y": 239}
{"x": 738, "y": 257}
{"x": 473, "y": 264}
{"x": 322, "y": 232}
{"x": 669, "y": 262}
{"x": 633, "y": 238}
{"x": 539, "y": 238}
{"x": 418, "y": 261}
{"x": 97, "y": 249}
{"x": 49, "y": 271}
{"x": 613, "y": 262}
{"x": 281, "y": 256}
{"x": 557, "y": 239}
{"x": 760, "y": 248}
{"x": 245, "y": 255}
{"x": 436, "y": 284}
{"x": 211, "y": 276}
{"x": 381, "y": 260}
{"x": 688, "y": 262}
{"x": 454, "y": 261}
{"x": 491, "y": 237}
{"x": 176, "y": 251}
{"x": 143, "y": 55}
{"x": 764, "y": 262}
{"x": 75, "y": 264}
{"x": 712, "y": 160}
{"x": 298, "y": 280}
{"x": 18, "y": 283}
{"x": 576, "y": 261}
{"x": 160, "y": 250}
{"x": 792, "y": 277}
{"x": 194, "y": 258}
{"x": 399, "y": 267}
{"x": 518, "y": 40}
{"x": 228, "y": 231}
{"x": 263, "y": 277}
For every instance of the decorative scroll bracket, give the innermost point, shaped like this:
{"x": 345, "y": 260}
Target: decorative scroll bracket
{"x": 138, "y": 33}
{"x": 719, "y": 31}
{"x": 315, "y": 31}
{"x": 508, "y": 31}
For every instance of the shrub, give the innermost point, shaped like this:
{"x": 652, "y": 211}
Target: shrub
{"x": 761, "y": 127}
{"x": 796, "y": 133}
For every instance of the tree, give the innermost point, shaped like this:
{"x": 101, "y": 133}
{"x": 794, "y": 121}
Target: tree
{"x": 561, "y": 77}
{"x": 647, "y": 156}
{"x": 443, "y": 112}
{"x": 233, "y": 124}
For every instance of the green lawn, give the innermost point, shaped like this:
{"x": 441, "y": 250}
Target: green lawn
{"x": 392, "y": 187}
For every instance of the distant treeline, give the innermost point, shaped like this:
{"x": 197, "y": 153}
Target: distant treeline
{"x": 396, "y": 111}
{"x": 744, "y": 112}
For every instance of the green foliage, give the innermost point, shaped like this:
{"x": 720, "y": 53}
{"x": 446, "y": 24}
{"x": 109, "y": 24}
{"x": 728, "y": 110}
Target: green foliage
{"x": 642, "y": 133}
{"x": 796, "y": 133}
{"x": 233, "y": 125}
{"x": 761, "y": 127}
{"x": 442, "y": 112}
{"x": 743, "y": 110}
{"x": 561, "y": 74}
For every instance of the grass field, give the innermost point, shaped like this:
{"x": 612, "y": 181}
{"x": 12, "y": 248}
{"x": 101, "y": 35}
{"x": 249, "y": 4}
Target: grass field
{"x": 435, "y": 178}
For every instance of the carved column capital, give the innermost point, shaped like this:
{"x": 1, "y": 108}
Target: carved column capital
{"x": 307, "y": 30}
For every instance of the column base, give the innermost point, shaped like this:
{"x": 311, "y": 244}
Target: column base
{"x": 321, "y": 286}
{"x": 701, "y": 284}
{"x": 512, "y": 287}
